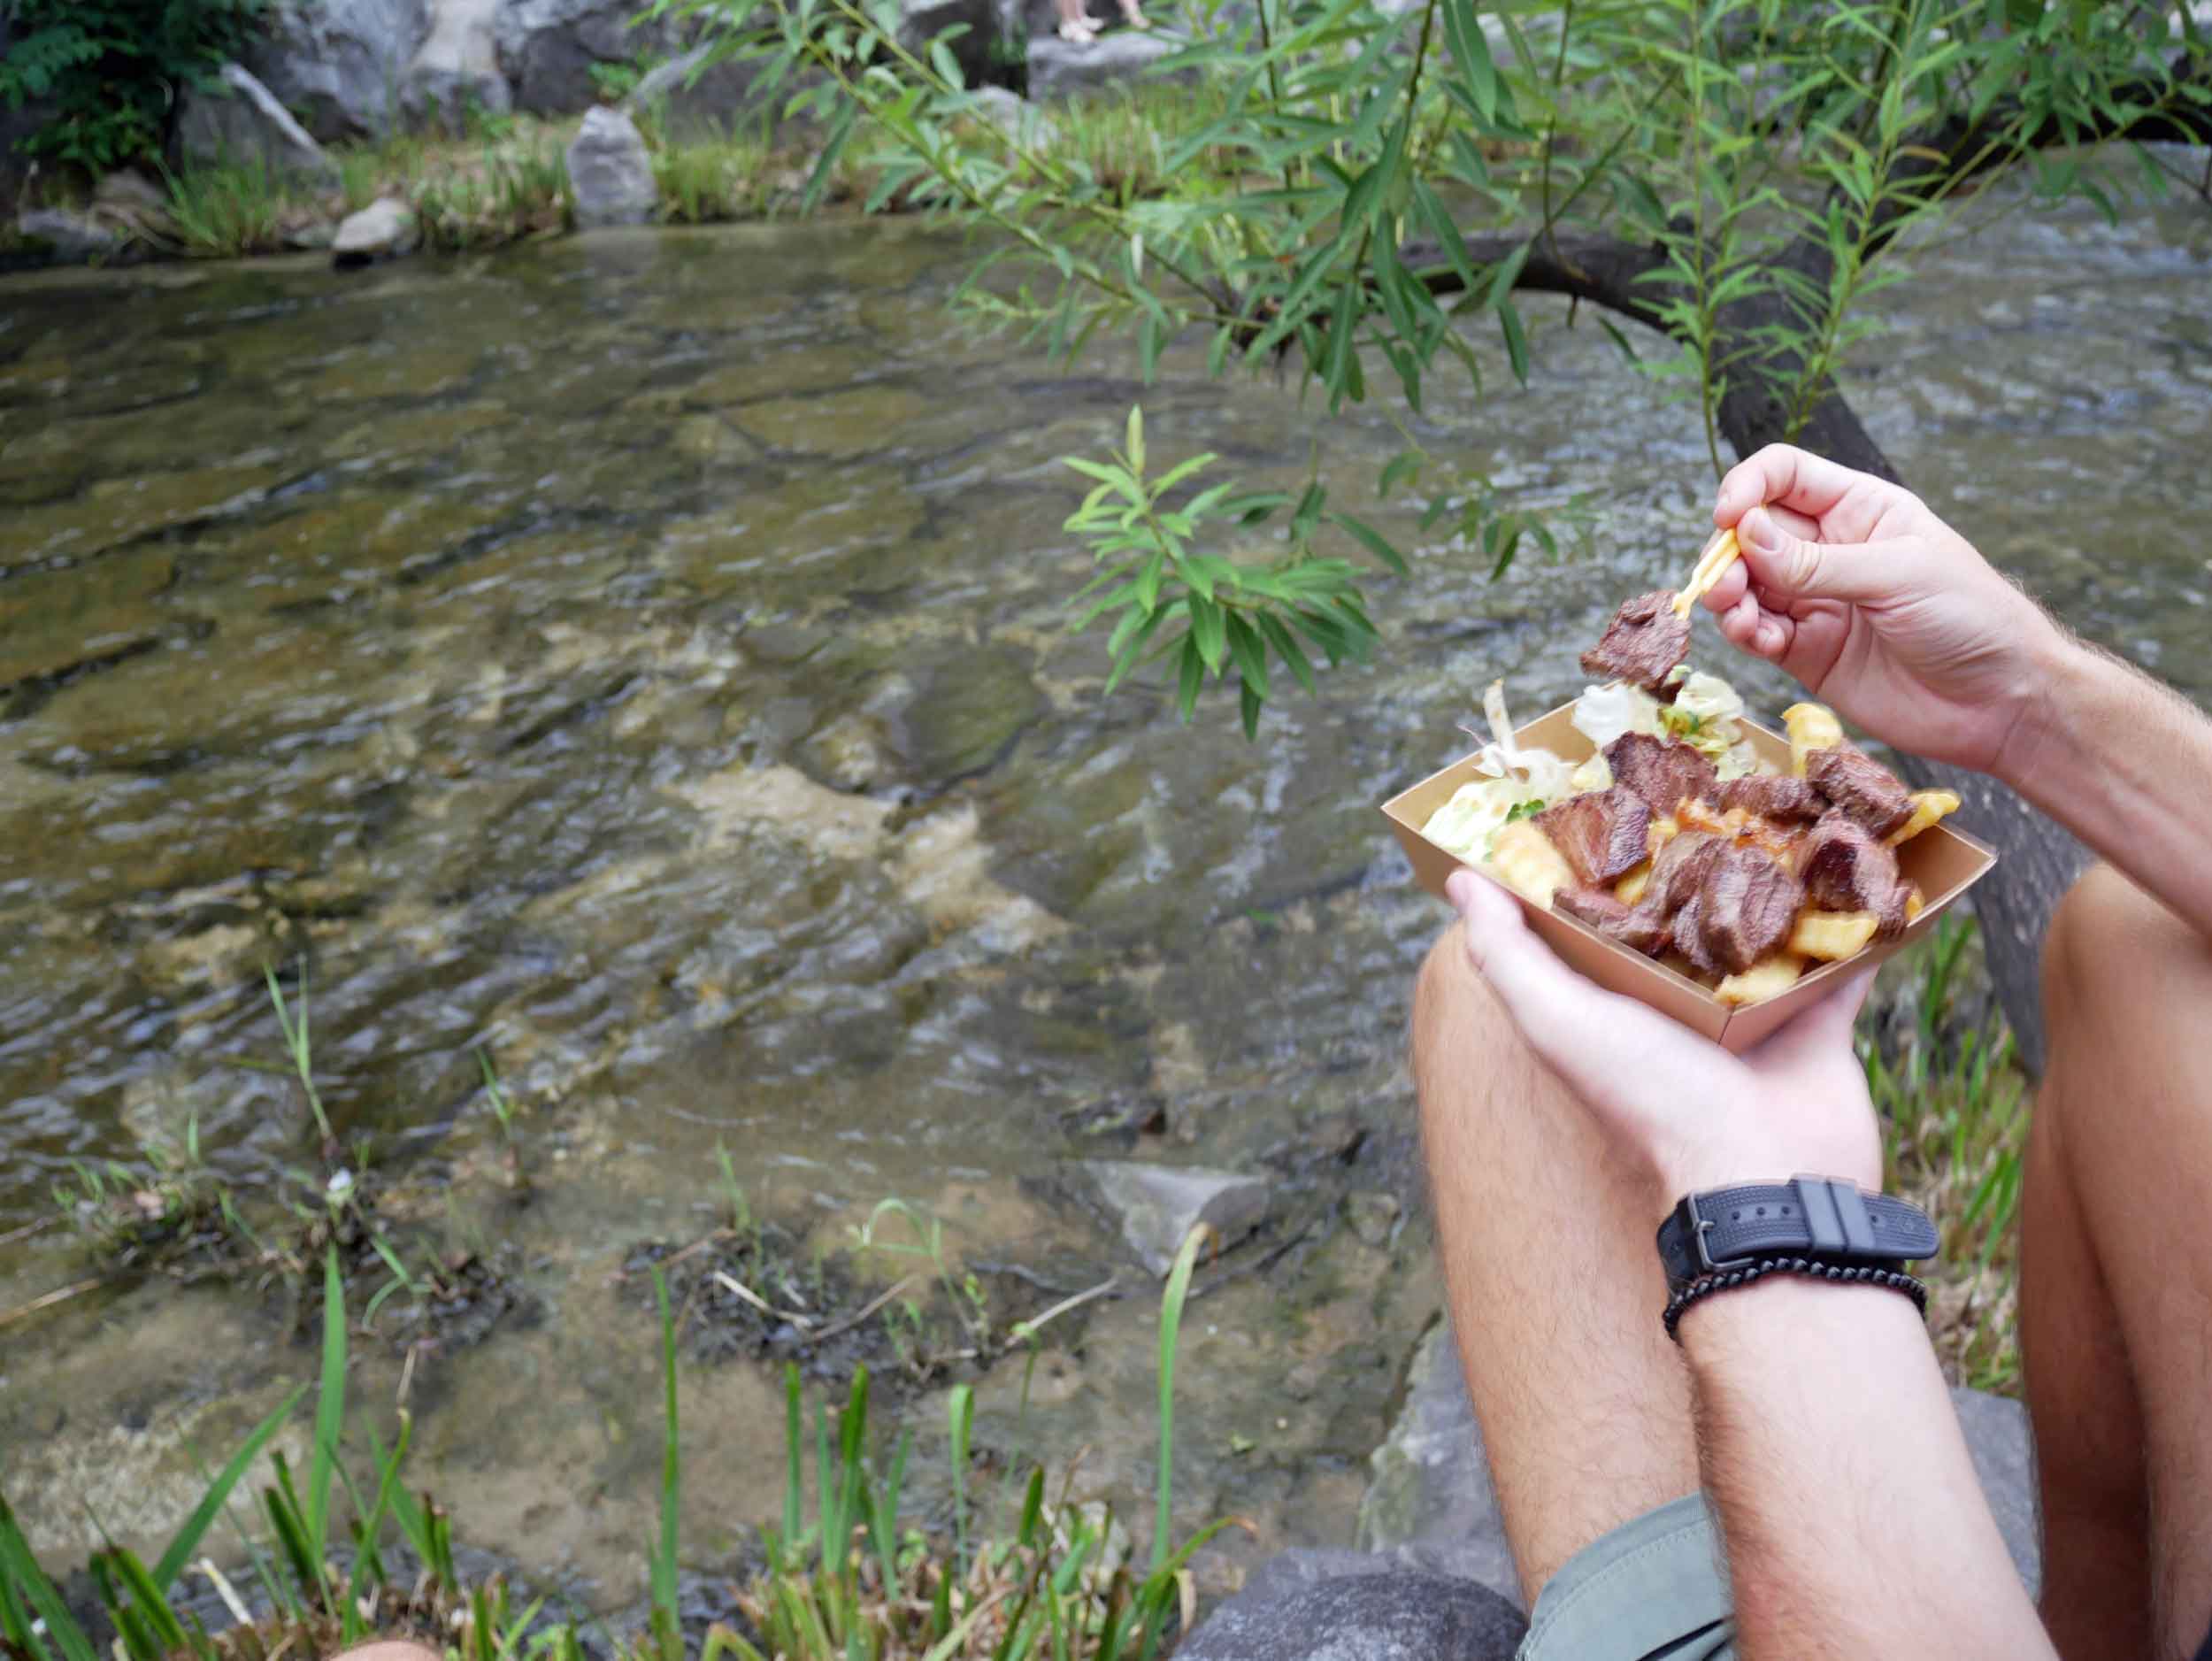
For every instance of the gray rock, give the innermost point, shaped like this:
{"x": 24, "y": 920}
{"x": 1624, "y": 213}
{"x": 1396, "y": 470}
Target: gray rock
{"x": 1059, "y": 68}
{"x": 383, "y": 230}
{"x": 74, "y": 237}
{"x": 1431, "y": 1481}
{"x": 239, "y": 121}
{"x": 1392, "y": 1615}
{"x": 1430, "y": 1499}
{"x": 981, "y": 44}
{"x": 547, "y": 48}
{"x": 455, "y": 73}
{"x": 695, "y": 93}
{"x": 338, "y": 65}
{"x": 609, "y": 171}
{"x": 1158, "y": 1205}
{"x": 1013, "y": 115}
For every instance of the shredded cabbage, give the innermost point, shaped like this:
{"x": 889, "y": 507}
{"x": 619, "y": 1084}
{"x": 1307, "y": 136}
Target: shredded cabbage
{"x": 1509, "y": 777}
{"x": 1476, "y": 813}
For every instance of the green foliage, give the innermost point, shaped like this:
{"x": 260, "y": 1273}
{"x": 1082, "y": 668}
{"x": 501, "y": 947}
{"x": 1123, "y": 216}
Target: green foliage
{"x": 1370, "y": 190}
{"x": 1955, "y": 1102}
{"x": 846, "y": 1577}
{"x": 114, "y": 69}
{"x": 224, "y": 212}
{"x": 1215, "y": 617}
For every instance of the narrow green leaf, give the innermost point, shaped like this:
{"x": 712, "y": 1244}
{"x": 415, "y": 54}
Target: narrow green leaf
{"x": 203, "y": 1515}
{"x": 1193, "y": 676}
{"x": 1288, "y": 649}
{"x": 330, "y": 1406}
{"x": 18, "y": 1564}
{"x": 1516, "y": 341}
{"x": 1372, "y": 541}
{"x": 663, "y": 1564}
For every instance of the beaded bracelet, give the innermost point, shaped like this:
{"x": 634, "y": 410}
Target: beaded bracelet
{"x": 1865, "y": 1275}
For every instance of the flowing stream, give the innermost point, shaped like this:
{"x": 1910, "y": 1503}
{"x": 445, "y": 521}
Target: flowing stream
{"x": 643, "y": 655}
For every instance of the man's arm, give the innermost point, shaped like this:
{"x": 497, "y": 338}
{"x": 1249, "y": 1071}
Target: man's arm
{"x": 2126, "y": 764}
{"x": 1854, "y": 1521}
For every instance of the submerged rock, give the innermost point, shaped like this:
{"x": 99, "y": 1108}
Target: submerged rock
{"x": 238, "y": 121}
{"x": 382, "y": 230}
{"x": 610, "y": 172}
{"x": 1158, "y": 1205}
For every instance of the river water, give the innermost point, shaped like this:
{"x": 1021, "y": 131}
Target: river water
{"x": 643, "y": 655}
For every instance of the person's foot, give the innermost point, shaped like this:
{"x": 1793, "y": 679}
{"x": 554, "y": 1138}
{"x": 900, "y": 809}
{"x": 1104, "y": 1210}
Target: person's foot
{"x": 1081, "y": 30}
{"x": 1132, "y": 14}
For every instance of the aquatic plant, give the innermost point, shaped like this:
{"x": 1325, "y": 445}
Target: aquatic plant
{"x": 844, "y": 1575}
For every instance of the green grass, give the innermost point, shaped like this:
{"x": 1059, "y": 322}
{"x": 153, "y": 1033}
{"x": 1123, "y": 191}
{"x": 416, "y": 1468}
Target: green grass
{"x": 846, "y": 1577}
{"x": 1956, "y": 1104}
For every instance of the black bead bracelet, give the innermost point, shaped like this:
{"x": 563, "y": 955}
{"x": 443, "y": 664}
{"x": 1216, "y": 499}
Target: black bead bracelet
{"x": 1858, "y": 1274}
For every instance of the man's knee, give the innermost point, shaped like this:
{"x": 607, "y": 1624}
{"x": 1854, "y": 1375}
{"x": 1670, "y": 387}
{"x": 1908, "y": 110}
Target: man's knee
{"x": 1453, "y": 1006}
{"x": 2114, "y": 957}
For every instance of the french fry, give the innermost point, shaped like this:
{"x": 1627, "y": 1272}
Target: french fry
{"x": 1631, "y": 887}
{"x": 1524, "y": 861}
{"x": 1914, "y": 903}
{"x": 1928, "y": 806}
{"x": 1810, "y": 727}
{"x": 1662, "y": 830}
{"x": 1764, "y": 980}
{"x": 1721, "y": 552}
{"x": 1829, "y": 935}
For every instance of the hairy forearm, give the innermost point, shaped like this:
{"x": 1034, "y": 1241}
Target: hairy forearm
{"x": 1853, "y": 1521}
{"x": 2126, "y": 764}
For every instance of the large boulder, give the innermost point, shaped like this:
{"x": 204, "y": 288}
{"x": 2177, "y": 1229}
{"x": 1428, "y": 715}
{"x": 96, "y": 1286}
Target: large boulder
{"x": 547, "y": 48}
{"x": 609, "y": 171}
{"x": 1350, "y": 1612}
{"x": 975, "y": 32}
{"x": 696, "y": 94}
{"x": 1059, "y": 69}
{"x": 455, "y": 72}
{"x": 337, "y": 65}
{"x": 237, "y": 121}
{"x": 72, "y": 237}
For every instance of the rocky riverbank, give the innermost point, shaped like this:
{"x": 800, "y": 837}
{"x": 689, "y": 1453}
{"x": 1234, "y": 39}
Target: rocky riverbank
{"x": 376, "y": 126}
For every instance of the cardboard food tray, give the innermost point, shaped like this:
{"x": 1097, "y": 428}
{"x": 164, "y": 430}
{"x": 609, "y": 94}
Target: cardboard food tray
{"x": 1944, "y": 862}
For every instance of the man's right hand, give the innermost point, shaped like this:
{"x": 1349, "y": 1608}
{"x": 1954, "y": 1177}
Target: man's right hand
{"x": 1878, "y": 607}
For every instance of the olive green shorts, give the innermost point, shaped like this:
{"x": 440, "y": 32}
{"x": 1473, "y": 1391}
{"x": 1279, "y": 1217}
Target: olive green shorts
{"x": 1653, "y": 1590}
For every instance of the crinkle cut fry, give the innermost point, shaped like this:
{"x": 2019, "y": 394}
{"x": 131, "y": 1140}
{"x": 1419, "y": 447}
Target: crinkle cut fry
{"x": 1721, "y": 552}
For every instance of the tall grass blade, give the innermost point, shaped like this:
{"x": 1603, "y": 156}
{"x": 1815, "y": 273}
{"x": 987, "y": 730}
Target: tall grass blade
{"x": 671, "y": 1631}
{"x": 794, "y": 1467}
{"x": 960, "y": 1409}
{"x": 1171, "y": 1327}
{"x": 203, "y": 1515}
{"x": 330, "y": 1406}
{"x": 18, "y": 1565}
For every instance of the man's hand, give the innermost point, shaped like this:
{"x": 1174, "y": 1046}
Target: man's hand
{"x": 1700, "y": 1117}
{"x": 1852, "y": 585}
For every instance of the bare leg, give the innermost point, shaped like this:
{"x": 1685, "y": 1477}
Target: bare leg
{"x": 1554, "y": 1288}
{"x": 2116, "y": 1278}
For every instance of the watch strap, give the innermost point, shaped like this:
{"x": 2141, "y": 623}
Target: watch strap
{"x": 1814, "y": 1217}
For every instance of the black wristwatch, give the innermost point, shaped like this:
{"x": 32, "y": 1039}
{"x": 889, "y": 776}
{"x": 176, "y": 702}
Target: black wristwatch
{"x": 1821, "y": 1219}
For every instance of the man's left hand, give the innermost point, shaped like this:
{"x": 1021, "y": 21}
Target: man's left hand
{"x": 1698, "y": 1117}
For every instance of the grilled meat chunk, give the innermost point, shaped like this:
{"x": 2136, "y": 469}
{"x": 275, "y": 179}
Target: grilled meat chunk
{"x": 1642, "y": 643}
{"x": 1659, "y": 770}
{"x": 1680, "y": 870}
{"x": 1601, "y": 833}
{"x": 1774, "y": 796}
{"x": 1861, "y": 786}
{"x": 1844, "y": 869}
{"x": 1745, "y": 908}
{"x": 1687, "y": 935}
{"x": 1639, "y": 927}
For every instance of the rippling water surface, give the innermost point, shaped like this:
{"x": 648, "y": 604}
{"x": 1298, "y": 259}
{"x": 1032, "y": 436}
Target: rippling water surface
{"x": 644, "y": 656}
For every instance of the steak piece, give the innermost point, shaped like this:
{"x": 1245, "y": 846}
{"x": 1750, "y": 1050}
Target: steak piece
{"x": 1861, "y": 786}
{"x": 1687, "y": 935}
{"x": 1640, "y": 928}
{"x": 1659, "y": 770}
{"x": 1774, "y": 796}
{"x": 1601, "y": 833}
{"x": 1745, "y": 908}
{"x": 1680, "y": 870}
{"x": 1642, "y": 643}
{"x": 1844, "y": 869}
